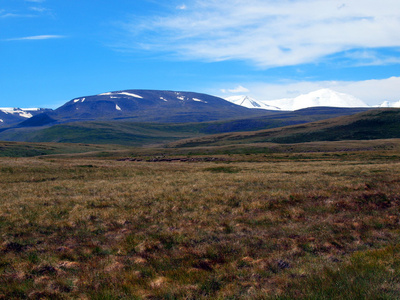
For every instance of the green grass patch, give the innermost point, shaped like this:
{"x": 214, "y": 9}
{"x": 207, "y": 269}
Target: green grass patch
{"x": 368, "y": 275}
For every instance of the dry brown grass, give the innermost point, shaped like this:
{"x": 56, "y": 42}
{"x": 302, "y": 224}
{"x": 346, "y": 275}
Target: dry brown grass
{"x": 249, "y": 227}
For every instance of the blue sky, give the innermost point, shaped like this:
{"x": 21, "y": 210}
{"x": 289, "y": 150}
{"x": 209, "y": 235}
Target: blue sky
{"x": 52, "y": 51}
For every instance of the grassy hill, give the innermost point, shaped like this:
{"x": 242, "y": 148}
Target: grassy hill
{"x": 373, "y": 124}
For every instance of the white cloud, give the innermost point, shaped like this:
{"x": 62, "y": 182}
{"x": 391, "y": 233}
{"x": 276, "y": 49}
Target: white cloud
{"x": 36, "y": 37}
{"x": 276, "y": 33}
{"x": 372, "y": 92}
{"x": 238, "y": 89}
{"x": 182, "y": 7}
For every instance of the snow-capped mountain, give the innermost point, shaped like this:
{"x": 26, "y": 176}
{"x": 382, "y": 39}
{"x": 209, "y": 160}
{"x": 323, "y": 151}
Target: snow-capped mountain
{"x": 13, "y": 115}
{"x": 144, "y": 106}
{"x": 249, "y": 102}
{"x": 322, "y": 97}
{"x": 389, "y": 104}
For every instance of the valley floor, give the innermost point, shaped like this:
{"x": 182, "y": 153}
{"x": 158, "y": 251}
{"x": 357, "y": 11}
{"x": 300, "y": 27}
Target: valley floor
{"x": 257, "y": 226}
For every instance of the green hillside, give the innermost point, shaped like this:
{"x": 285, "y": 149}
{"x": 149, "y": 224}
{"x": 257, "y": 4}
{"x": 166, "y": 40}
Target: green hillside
{"x": 123, "y": 133}
{"x": 374, "y": 124}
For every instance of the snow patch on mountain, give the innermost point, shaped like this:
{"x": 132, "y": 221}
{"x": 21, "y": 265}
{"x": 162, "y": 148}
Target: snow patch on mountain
{"x": 130, "y": 94}
{"x": 121, "y": 93}
{"x": 79, "y": 99}
{"x": 199, "y": 100}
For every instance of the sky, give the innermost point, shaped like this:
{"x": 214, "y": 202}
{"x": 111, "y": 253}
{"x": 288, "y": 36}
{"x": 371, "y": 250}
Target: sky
{"x": 52, "y": 51}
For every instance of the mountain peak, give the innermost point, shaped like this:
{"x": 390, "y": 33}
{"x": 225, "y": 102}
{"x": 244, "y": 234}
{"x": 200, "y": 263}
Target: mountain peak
{"x": 249, "y": 102}
{"x": 321, "y": 97}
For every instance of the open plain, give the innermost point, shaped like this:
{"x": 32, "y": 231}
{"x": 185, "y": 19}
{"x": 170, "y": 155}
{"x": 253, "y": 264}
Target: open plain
{"x": 310, "y": 225}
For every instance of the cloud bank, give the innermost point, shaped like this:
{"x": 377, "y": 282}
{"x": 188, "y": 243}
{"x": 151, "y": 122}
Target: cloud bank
{"x": 272, "y": 33}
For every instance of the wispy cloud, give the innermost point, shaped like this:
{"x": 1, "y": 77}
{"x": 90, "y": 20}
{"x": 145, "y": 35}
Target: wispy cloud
{"x": 273, "y": 33}
{"x": 38, "y": 9}
{"x": 37, "y": 37}
{"x": 6, "y": 14}
{"x": 33, "y": 10}
{"x": 372, "y": 57}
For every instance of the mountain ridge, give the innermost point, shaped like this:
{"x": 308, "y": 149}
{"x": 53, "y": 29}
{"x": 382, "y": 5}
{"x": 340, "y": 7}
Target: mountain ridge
{"x": 149, "y": 106}
{"x": 250, "y": 102}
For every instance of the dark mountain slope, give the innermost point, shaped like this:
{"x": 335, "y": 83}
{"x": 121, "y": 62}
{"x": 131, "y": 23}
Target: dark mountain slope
{"x": 39, "y": 120}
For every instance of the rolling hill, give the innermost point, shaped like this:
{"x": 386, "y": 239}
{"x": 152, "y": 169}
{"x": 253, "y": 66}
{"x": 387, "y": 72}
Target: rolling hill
{"x": 373, "y": 124}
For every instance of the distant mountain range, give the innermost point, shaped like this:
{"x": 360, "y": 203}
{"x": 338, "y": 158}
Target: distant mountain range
{"x": 171, "y": 106}
{"x": 322, "y": 97}
{"x": 150, "y": 117}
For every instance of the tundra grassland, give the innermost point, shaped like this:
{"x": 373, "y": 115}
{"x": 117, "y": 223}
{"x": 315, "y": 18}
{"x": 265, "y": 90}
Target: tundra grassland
{"x": 259, "y": 226}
